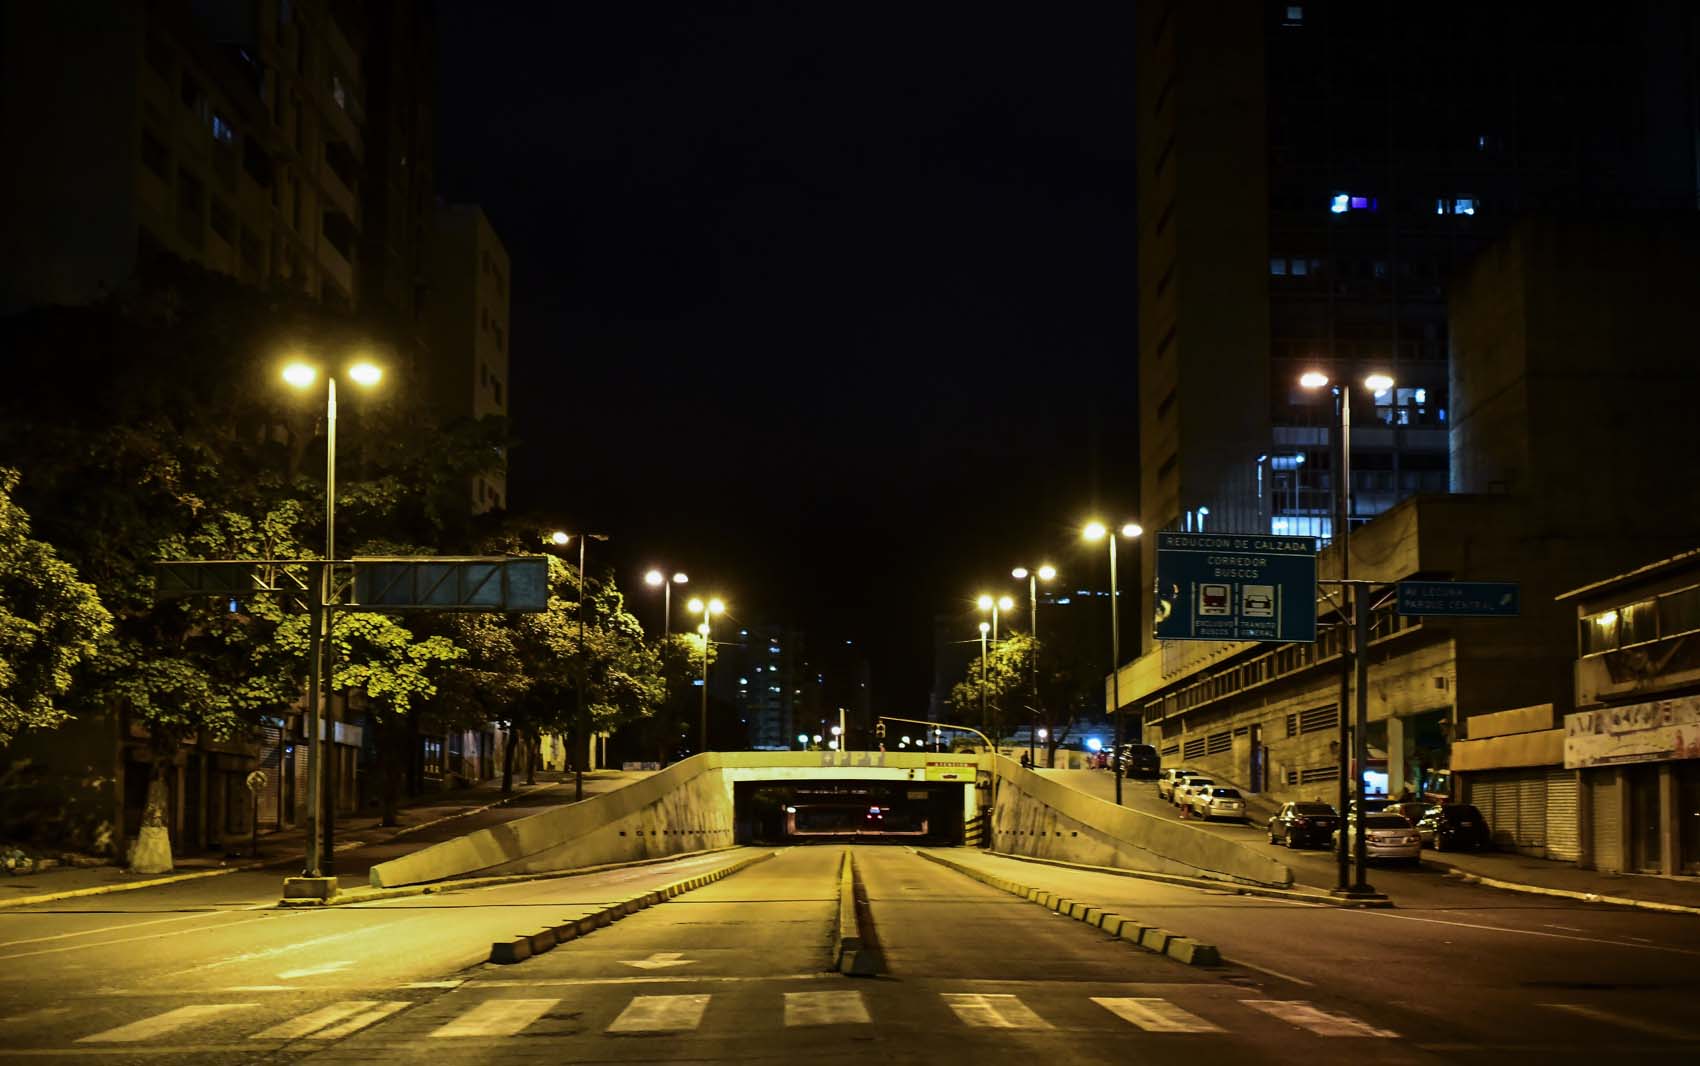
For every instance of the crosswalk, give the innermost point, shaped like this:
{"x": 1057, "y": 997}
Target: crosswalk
{"x": 495, "y": 1017}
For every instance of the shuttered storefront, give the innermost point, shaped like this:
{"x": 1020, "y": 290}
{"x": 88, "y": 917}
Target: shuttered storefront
{"x": 1607, "y": 819}
{"x": 271, "y": 760}
{"x": 1564, "y": 839}
{"x": 1531, "y": 809}
{"x": 1514, "y": 802}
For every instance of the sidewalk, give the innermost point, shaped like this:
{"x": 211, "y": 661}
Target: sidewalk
{"x": 1521, "y": 873}
{"x": 286, "y": 848}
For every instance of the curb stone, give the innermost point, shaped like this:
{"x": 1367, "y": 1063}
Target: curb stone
{"x": 1180, "y": 948}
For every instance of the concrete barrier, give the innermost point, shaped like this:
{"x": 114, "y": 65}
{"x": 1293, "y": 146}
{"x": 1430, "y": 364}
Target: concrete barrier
{"x": 1039, "y": 817}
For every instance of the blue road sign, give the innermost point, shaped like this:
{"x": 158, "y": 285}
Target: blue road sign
{"x": 1491, "y": 599}
{"x": 1231, "y": 586}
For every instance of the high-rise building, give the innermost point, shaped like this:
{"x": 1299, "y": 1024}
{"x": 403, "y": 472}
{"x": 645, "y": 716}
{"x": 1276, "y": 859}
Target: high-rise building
{"x": 1311, "y": 176}
{"x": 467, "y": 366}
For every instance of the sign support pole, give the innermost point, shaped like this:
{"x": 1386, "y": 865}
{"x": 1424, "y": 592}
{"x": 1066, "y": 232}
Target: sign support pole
{"x": 1360, "y": 658}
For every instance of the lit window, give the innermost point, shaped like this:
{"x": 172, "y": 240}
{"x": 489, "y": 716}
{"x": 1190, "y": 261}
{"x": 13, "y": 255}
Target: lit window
{"x": 1295, "y": 15}
{"x": 1464, "y": 207}
{"x": 1422, "y": 396}
{"x": 1299, "y": 268}
{"x": 1278, "y": 267}
{"x": 222, "y": 131}
{"x": 1360, "y": 203}
{"x": 1340, "y": 204}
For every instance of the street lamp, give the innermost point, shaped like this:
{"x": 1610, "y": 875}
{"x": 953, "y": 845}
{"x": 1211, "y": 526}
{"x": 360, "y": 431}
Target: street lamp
{"x": 321, "y": 652}
{"x": 1097, "y": 531}
{"x": 984, "y": 627}
{"x": 581, "y": 726}
{"x": 1353, "y": 746}
{"x": 1001, "y": 603}
{"x": 708, "y": 610}
{"x": 656, "y": 577}
{"x": 1044, "y": 573}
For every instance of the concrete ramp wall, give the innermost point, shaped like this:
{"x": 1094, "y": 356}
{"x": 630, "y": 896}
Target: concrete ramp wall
{"x": 1042, "y": 818}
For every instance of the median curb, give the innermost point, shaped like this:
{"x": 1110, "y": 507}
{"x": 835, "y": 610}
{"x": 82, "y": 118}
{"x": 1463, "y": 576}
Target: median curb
{"x": 524, "y": 945}
{"x": 1150, "y": 938}
{"x": 1564, "y": 893}
{"x": 101, "y": 890}
{"x": 1211, "y": 884}
{"x": 854, "y": 953}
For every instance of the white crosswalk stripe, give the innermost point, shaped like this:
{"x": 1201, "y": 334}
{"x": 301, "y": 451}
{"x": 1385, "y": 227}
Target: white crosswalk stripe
{"x": 660, "y": 1014}
{"x": 825, "y": 1008}
{"x": 160, "y": 1024}
{"x": 1305, "y": 1016}
{"x": 993, "y": 1011}
{"x": 497, "y": 1017}
{"x": 1156, "y": 1015}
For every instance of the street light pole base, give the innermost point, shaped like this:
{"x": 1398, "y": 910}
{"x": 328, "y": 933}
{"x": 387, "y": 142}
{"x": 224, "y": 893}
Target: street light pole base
{"x": 316, "y": 889}
{"x": 1359, "y": 894}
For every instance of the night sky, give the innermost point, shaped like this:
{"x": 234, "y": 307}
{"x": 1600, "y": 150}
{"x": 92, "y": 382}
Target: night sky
{"x": 832, "y": 307}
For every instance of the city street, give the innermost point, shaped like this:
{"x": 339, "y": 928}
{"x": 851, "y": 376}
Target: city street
{"x": 740, "y": 970}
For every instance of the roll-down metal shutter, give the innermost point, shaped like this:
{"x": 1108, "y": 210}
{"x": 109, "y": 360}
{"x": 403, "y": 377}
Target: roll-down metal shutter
{"x": 1564, "y": 840}
{"x": 1531, "y": 809}
{"x": 1607, "y": 820}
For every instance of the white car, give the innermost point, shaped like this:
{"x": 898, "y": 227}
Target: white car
{"x": 1386, "y": 836}
{"x": 1169, "y": 779}
{"x": 1217, "y": 802}
{"x": 1185, "y": 790}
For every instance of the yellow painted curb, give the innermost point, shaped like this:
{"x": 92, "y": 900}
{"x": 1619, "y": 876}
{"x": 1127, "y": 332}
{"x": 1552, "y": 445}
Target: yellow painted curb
{"x": 101, "y": 890}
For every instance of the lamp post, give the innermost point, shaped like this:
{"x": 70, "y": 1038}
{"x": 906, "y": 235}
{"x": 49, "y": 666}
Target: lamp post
{"x": 1353, "y": 745}
{"x": 708, "y": 610}
{"x": 1098, "y": 531}
{"x": 1044, "y": 573}
{"x": 994, "y": 605}
{"x": 656, "y": 577}
{"x": 984, "y": 626}
{"x": 321, "y": 652}
{"x": 581, "y": 726}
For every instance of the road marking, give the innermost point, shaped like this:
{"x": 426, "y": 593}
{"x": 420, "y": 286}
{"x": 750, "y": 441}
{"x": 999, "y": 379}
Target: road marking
{"x": 661, "y": 960}
{"x": 497, "y": 1017}
{"x": 1371, "y": 913}
{"x": 1271, "y": 973}
{"x": 825, "y": 1008}
{"x": 1566, "y": 928}
{"x": 434, "y": 984}
{"x": 1304, "y": 1015}
{"x": 248, "y": 988}
{"x": 313, "y": 1021}
{"x": 148, "y": 1028}
{"x": 994, "y": 1010}
{"x": 126, "y": 925}
{"x": 130, "y": 940}
{"x": 314, "y": 971}
{"x": 661, "y": 1014}
{"x": 1156, "y": 1015}
{"x": 360, "y": 1021}
{"x": 284, "y": 949}
{"x": 1670, "y": 1032}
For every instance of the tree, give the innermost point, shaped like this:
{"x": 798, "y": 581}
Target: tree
{"x": 50, "y": 622}
{"x": 1004, "y": 672}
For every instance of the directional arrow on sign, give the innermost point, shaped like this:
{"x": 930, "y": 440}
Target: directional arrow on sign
{"x": 660, "y": 961}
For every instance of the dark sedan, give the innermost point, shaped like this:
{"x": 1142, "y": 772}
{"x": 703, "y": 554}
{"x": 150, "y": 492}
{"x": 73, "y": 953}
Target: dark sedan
{"x": 1453, "y": 827}
{"x": 1300, "y": 825}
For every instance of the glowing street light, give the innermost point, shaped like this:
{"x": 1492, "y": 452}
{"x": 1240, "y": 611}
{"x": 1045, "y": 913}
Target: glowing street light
{"x": 1098, "y": 531}
{"x": 1044, "y": 573}
{"x": 656, "y": 577}
{"x": 708, "y": 609}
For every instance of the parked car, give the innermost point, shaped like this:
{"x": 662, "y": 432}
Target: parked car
{"x": 1139, "y": 760}
{"x": 1217, "y": 802}
{"x": 1410, "y": 810}
{"x": 1300, "y": 825}
{"x": 1454, "y": 826}
{"x": 1386, "y": 836}
{"x": 1184, "y": 790}
{"x": 1168, "y": 779}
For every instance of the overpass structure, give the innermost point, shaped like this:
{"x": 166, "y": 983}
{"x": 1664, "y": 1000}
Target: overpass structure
{"x": 723, "y": 799}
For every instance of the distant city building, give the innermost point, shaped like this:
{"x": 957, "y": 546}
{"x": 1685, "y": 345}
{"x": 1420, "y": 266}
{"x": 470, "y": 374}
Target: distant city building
{"x": 466, "y": 367}
{"x": 1311, "y": 177}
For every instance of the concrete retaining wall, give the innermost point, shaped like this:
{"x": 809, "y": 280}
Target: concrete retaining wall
{"x": 1039, "y": 817}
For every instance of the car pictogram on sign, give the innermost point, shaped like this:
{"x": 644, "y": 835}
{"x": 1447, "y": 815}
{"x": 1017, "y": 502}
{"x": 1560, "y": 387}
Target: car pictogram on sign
{"x": 1257, "y": 601}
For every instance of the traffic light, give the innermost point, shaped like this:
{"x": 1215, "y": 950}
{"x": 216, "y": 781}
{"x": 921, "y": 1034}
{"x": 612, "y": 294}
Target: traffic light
{"x": 879, "y": 730}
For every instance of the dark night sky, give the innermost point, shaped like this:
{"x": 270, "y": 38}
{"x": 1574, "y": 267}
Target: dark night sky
{"x": 833, "y": 308}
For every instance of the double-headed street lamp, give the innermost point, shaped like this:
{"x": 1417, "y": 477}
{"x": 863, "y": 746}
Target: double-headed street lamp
{"x": 1353, "y": 747}
{"x": 1098, "y": 531}
{"x": 984, "y": 626}
{"x": 994, "y": 605}
{"x": 321, "y": 814}
{"x": 656, "y": 577}
{"x": 1044, "y": 573}
{"x": 561, "y": 538}
{"x": 708, "y": 610}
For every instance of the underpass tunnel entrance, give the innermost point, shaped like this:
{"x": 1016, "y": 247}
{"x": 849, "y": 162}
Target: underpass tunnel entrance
{"x": 805, "y": 812}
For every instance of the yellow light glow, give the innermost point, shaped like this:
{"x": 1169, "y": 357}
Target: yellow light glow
{"x": 1378, "y": 382}
{"x": 1018, "y": 573}
{"x": 985, "y": 627}
{"x": 1047, "y": 572}
{"x": 1005, "y": 603}
{"x": 300, "y": 375}
{"x": 984, "y": 603}
{"x": 695, "y": 605}
{"x": 680, "y": 578}
{"x": 1094, "y": 531}
{"x": 702, "y": 627}
{"x": 1609, "y": 618}
{"x": 716, "y": 606}
{"x": 558, "y": 537}
{"x": 1313, "y": 379}
{"x": 652, "y": 578}
{"x": 1131, "y": 530}
{"x": 367, "y": 374}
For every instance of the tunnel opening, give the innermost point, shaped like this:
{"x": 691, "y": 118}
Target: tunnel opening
{"x": 870, "y": 812}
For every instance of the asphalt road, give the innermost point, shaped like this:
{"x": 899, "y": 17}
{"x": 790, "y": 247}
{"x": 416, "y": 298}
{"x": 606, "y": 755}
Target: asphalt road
{"x": 739, "y": 971}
